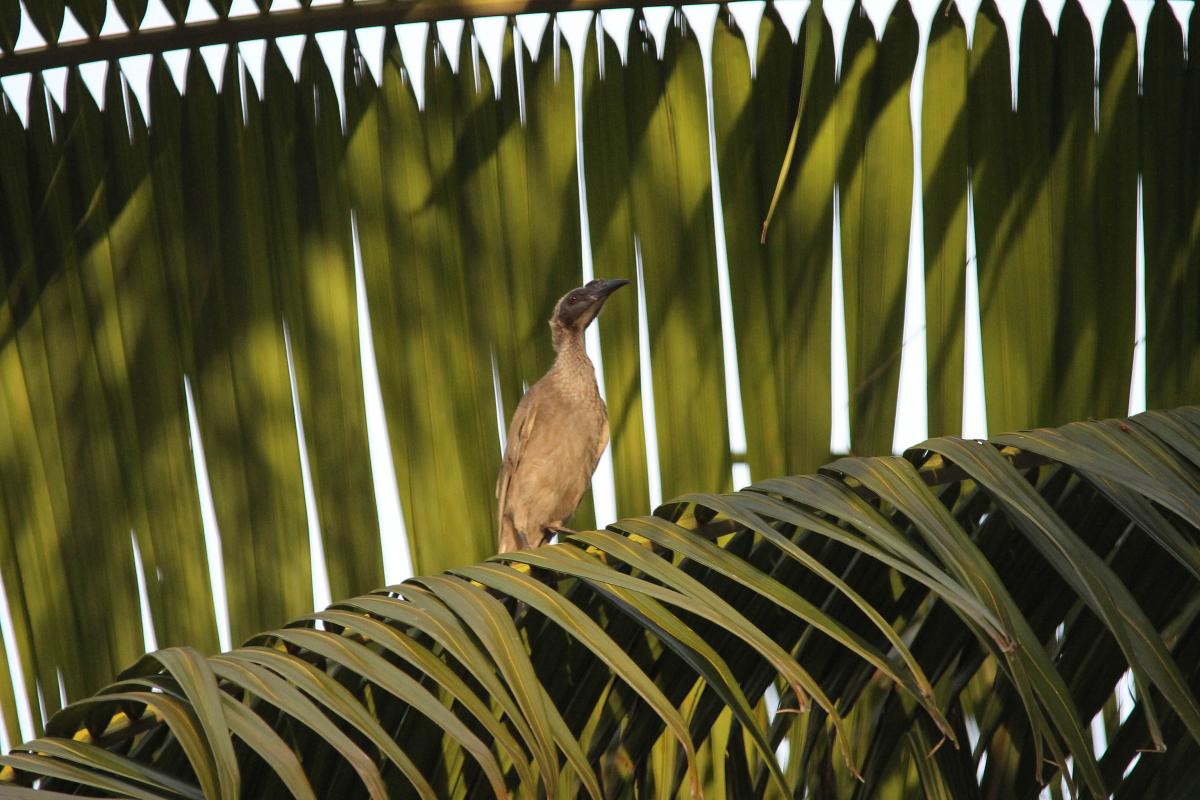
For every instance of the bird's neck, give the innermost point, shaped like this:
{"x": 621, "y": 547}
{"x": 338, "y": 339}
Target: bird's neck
{"x": 571, "y": 354}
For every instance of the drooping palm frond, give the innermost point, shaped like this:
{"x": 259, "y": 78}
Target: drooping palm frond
{"x": 956, "y": 622}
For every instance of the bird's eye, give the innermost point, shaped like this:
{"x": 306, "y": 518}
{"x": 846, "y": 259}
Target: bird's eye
{"x": 572, "y": 300}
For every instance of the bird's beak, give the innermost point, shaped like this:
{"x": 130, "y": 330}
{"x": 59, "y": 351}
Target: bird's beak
{"x": 594, "y": 295}
{"x": 605, "y": 288}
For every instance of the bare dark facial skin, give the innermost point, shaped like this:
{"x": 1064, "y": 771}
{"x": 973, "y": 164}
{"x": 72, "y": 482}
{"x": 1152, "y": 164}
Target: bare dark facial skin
{"x": 572, "y": 308}
{"x": 580, "y": 306}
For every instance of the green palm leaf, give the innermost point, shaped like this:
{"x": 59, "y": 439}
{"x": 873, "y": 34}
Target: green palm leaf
{"x": 892, "y": 599}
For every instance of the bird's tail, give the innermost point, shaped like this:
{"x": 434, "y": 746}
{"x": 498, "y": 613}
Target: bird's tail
{"x": 510, "y": 538}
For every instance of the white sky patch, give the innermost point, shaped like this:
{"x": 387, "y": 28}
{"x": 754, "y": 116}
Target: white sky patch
{"x": 878, "y": 11}
{"x": 393, "y": 536}
{"x": 748, "y": 15}
{"x": 1139, "y": 11}
{"x": 1053, "y": 10}
{"x": 285, "y": 5}
{"x": 113, "y": 24}
{"x": 839, "y": 433}
{"x": 177, "y": 61}
{"x": 50, "y": 115}
{"x": 969, "y": 10}
{"x": 912, "y": 398}
{"x": 292, "y": 50}
{"x": 55, "y": 80}
{"x": 149, "y": 640}
{"x": 136, "y": 70}
{"x": 449, "y": 33}
{"x": 972, "y": 727}
{"x": 658, "y": 19}
{"x": 94, "y": 74}
{"x": 599, "y": 29}
{"x": 646, "y": 374}
{"x": 200, "y": 11}
{"x": 519, "y": 62}
{"x": 489, "y": 31}
{"x": 208, "y": 520}
{"x": 783, "y": 753}
{"x": 71, "y": 30}
{"x": 771, "y": 700}
{"x": 370, "y": 44}
{"x": 125, "y": 103}
{"x": 475, "y": 59}
{"x": 254, "y": 57}
{"x": 791, "y": 13}
{"x": 1126, "y": 696}
{"x": 1095, "y": 11}
{"x": 498, "y": 396}
{"x": 16, "y": 88}
{"x": 322, "y": 596}
{"x": 1137, "y": 386}
{"x": 1011, "y": 12}
{"x": 837, "y": 12}
{"x": 532, "y": 28}
{"x": 242, "y": 8}
{"x": 16, "y": 674}
{"x": 556, "y": 47}
{"x": 1099, "y": 735}
{"x": 41, "y": 698}
{"x": 241, "y": 77}
{"x": 974, "y": 421}
{"x": 702, "y": 19}
{"x": 1182, "y": 9}
{"x": 156, "y": 16}
{"x": 617, "y": 22}
{"x": 214, "y": 60}
{"x": 332, "y": 45}
{"x": 413, "y": 38}
{"x": 28, "y": 37}
{"x": 741, "y": 475}
{"x": 575, "y": 26}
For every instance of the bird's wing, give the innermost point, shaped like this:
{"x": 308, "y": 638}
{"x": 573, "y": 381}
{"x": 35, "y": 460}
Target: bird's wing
{"x": 519, "y": 431}
{"x": 602, "y": 442}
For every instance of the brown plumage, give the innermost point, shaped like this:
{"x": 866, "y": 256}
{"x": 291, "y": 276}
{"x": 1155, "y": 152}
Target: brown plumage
{"x": 558, "y": 431}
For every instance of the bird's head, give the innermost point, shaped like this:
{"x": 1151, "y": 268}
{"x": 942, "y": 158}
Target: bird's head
{"x": 578, "y": 307}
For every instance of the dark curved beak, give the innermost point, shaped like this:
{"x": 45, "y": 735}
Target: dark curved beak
{"x": 604, "y": 288}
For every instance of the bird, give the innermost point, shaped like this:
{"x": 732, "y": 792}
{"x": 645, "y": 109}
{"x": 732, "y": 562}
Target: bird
{"x": 558, "y": 431}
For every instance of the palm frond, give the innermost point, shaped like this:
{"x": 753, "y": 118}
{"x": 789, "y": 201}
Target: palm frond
{"x": 957, "y": 622}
